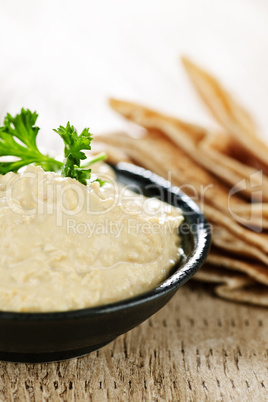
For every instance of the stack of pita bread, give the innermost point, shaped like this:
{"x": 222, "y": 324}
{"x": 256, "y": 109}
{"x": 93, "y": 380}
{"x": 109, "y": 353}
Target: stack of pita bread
{"x": 225, "y": 172}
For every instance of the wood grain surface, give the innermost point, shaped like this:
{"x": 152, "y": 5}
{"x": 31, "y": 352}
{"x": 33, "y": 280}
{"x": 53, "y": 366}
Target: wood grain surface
{"x": 197, "y": 348}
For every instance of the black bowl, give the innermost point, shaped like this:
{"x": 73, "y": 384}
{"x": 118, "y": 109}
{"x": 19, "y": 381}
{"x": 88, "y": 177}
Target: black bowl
{"x": 40, "y": 337}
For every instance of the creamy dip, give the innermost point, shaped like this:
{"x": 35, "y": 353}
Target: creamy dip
{"x": 66, "y": 246}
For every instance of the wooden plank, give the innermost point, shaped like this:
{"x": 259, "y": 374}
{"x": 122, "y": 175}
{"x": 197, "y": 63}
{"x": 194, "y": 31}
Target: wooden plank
{"x": 196, "y": 348}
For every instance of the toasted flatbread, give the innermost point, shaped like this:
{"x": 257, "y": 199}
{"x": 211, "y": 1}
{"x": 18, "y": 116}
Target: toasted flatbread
{"x": 224, "y": 172}
{"x": 114, "y": 154}
{"x": 183, "y": 170}
{"x": 227, "y": 111}
{"x": 234, "y": 286}
{"x": 228, "y": 241}
{"x": 197, "y": 143}
{"x": 252, "y": 268}
{"x": 237, "y": 167}
{"x": 159, "y": 154}
{"x": 139, "y": 150}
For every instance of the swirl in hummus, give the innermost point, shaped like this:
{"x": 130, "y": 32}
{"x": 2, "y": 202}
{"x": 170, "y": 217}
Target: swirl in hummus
{"x": 67, "y": 246}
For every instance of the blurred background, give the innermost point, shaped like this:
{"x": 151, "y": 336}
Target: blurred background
{"x": 65, "y": 58}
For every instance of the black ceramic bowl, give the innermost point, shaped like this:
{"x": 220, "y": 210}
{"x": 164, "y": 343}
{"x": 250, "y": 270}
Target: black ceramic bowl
{"x": 40, "y": 337}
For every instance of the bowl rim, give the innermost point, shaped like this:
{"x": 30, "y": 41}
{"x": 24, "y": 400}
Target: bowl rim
{"x": 202, "y": 237}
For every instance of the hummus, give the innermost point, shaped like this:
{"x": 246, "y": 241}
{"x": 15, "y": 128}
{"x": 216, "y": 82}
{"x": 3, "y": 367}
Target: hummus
{"x": 66, "y": 246}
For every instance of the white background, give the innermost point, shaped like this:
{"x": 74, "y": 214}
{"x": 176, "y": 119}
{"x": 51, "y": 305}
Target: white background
{"x": 65, "y": 58}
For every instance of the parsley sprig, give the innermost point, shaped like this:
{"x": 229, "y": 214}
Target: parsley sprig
{"x": 18, "y": 138}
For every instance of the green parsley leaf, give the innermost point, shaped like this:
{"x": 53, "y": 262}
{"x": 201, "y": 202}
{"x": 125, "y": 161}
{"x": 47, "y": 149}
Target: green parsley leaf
{"x": 18, "y": 139}
{"x": 75, "y": 143}
{"x": 71, "y": 170}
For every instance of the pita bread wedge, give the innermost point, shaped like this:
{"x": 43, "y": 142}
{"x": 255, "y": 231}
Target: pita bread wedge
{"x": 237, "y": 264}
{"x": 252, "y": 215}
{"x": 197, "y": 143}
{"x": 235, "y": 155}
{"x": 114, "y": 154}
{"x": 256, "y": 207}
{"x": 229, "y": 114}
{"x": 223, "y": 239}
{"x": 234, "y": 286}
{"x": 241, "y": 173}
{"x": 212, "y": 274}
{"x": 158, "y": 154}
{"x": 189, "y": 135}
{"x": 253, "y": 269}
{"x": 155, "y": 150}
{"x": 234, "y": 110}
{"x": 216, "y": 217}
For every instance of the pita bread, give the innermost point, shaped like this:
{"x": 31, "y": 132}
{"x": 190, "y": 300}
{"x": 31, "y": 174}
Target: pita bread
{"x": 237, "y": 168}
{"x": 227, "y": 111}
{"x": 259, "y": 240}
{"x": 162, "y": 152}
{"x": 157, "y": 154}
{"x": 222, "y": 172}
{"x": 234, "y": 286}
{"x": 227, "y": 241}
{"x": 114, "y": 154}
{"x": 163, "y": 157}
{"x": 197, "y": 143}
{"x": 253, "y": 269}
{"x": 222, "y": 238}
{"x": 252, "y": 215}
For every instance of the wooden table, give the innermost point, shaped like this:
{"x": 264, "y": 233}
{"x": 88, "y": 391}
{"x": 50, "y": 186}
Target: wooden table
{"x": 196, "y": 348}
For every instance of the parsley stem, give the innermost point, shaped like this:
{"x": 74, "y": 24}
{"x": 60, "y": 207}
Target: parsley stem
{"x": 98, "y": 158}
